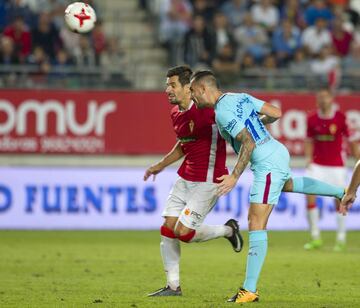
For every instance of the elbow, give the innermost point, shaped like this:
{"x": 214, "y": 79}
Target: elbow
{"x": 278, "y": 113}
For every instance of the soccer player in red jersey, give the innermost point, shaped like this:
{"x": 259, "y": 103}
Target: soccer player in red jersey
{"x": 195, "y": 192}
{"x": 326, "y": 131}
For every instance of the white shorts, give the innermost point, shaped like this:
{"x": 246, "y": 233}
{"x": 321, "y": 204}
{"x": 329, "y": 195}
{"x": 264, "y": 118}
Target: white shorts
{"x": 331, "y": 175}
{"x": 191, "y": 202}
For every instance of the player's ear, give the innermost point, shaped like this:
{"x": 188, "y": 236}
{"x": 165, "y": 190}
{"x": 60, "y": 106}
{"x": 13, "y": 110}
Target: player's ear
{"x": 187, "y": 88}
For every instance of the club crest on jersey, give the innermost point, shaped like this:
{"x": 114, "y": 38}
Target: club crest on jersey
{"x": 333, "y": 129}
{"x": 191, "y": 126}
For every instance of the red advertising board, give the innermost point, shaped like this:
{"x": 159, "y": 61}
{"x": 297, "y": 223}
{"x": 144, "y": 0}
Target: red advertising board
{"x": 121, "y": 122}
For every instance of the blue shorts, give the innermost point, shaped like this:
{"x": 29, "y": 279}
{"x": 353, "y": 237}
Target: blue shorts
{"x": 270, "y": 176}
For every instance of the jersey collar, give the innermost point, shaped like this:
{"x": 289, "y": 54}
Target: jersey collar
{"x": 220, "y": 98}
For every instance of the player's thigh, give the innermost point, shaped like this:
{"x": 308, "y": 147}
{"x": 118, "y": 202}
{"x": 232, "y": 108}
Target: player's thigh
{"x": 201, "y": 200}
{"x": 176, "y": 200}
{"x": 269, "y": 179}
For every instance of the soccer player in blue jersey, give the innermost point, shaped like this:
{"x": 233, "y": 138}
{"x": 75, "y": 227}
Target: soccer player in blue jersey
{"x": 240, "y": 118}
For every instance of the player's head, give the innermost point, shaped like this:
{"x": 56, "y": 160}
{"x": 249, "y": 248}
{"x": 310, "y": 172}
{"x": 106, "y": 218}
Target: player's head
{"x": 203, "y": 85}
{"x": 324, "y": 99}
{"x": 178, "y": 84}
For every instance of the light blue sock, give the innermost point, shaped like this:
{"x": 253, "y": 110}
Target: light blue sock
{"x": 256, "y": 257}
{"x": 311, "y": 186}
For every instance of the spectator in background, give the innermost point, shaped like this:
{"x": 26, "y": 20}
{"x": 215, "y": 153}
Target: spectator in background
{"x": 300, "y": 66}
{"x": 327, "y": 67}
{"x": 222, "y": 31}
{"x": 225, "y": 61}
{"x": 351, "y": 63}
{"x": 3, "y": 21}
{"x": 285, "y": 41}
{"x": 293, "y": 11}
{"x": 234, "y": 11}
{"x": 98, "y": 40}
{"x": 46, "y": 35}
{"x": 84, "y": 55}
{"x": 265, "y": 14}
{"x": 248, "y": 63}
{"x": 7, "y": 52}
{"x": 112, "y": 58}
{"x": 15, "y": 8}
{"x": 341, "y": 39}
{"x": 201, "y": 7}
{"x": 251, "y": 39}
{"x": 40, "y": 61}
{"x": 19, "y": 32}
{"x": 199, "y": 44}
{"x": 225, "y": 64}
{"x": 314, "y": 38}
{"x": 317, "y": 9}
{"x": 175, "y": 20}
{"x": 269, "y": 62}
{"x": 70, "y": 40}
{"x": 59, "y": 73}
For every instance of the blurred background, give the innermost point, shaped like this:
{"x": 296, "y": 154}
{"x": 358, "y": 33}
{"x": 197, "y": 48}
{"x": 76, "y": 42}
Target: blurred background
{"x": 82, "y": 116}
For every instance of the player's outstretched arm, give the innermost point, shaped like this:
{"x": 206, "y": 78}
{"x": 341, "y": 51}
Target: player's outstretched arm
{"x": 350, "y": 195}
{"x": 229, "y": 181}
{"x": 174, "y": 155}
{"x": 269, "y": 113}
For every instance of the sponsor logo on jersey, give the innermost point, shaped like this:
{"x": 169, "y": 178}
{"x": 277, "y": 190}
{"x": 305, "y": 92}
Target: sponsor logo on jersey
{"x": 187, "y": 212}
{"x": 230, "y": 126}
{"x": 191, "y": 126}
{"x": 333, "y": 129}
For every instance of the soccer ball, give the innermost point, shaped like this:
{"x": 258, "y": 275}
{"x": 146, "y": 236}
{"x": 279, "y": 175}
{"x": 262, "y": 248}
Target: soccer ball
{"x": 80, "y": 17}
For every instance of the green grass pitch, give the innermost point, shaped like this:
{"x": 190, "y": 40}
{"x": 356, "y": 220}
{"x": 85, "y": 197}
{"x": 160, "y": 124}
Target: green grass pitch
{"x": 118, "y": 269}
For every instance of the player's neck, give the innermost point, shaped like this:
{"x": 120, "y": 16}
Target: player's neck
{"x": 185, "y": 104}
{"x": 216, "y": 96}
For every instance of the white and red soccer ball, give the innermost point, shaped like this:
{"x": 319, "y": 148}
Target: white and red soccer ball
{"x": 80, "y": 17}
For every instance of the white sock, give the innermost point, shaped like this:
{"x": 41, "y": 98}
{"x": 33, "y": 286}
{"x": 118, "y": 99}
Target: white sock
{"x": 341, "y": 230}
{"x": 206, "y": 232}
{"x": 313, "y": 218}
{"x": 170, "y": 253}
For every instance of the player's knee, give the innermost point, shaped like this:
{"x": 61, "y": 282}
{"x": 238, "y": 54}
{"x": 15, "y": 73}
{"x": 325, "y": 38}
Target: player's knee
{"x": 166, "y": 231}
{"x": 170, "y": 222}
{"x": 186, "y": 237}
{"x": 183, "y": 233}
{"x": 256, "y": 222}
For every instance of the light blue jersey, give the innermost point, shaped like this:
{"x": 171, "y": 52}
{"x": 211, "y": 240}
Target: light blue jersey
{"x": 269, "y": 160}
{"x": 234, "y": 111}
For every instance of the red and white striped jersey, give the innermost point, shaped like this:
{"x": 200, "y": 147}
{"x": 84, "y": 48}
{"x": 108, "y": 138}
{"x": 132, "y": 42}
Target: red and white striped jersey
{"x": 204, "y": 148}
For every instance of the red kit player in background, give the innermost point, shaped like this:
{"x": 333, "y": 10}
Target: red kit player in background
{"x": 194, "y": 194}
{"x": 326, "y": 131}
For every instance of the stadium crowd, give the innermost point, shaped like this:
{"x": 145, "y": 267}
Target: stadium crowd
{"x": 33, "y": 35}
{"x": 235, "y": 36}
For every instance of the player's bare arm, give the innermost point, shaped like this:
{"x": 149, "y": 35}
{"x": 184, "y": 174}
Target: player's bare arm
{"x": 174, "y": 155}
{"x": 247, "y": 147}
{"x": 269, "y": 113}
{"x": 350, "y": 195}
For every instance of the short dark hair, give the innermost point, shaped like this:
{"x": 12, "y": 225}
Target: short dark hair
{"x": 184, "y": 73}
{"x": 207, "y": 76}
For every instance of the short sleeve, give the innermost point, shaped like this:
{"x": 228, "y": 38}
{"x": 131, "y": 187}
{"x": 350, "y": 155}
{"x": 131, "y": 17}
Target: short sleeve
{"x": 229, "y": 122}
{"x": 258, "y": 103}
